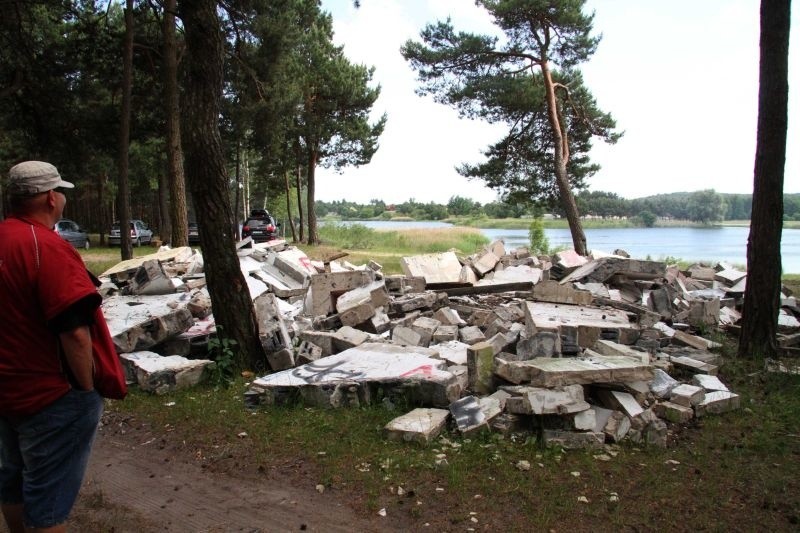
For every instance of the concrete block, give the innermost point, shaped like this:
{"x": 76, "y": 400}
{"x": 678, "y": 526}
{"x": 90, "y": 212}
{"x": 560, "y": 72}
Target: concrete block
{"x": 573, "y": 440}
{"x": 555, "y": 292}
{"x": 140, "y": 322}
{"x": 449, "y": 316}
{"x": 539, "y": 401}
{"x": 426, "y": 327}
{"x": 540, "y": 344}
{"x": 513, "y": 274}
{"x": 468, "y": 415}
{"x": 445, "y": 334}
{"x": 716, "y": 402}
{"x": 406, "y": 336}
{"x": 485, "y": 262}
{"x": 323, "y": 339}
{"x": 399, "y": 285}
{"x": 454, "y": 352}
{"x": 662, "y": 383}
{"x": 584, "y": 420}
{"x": 508, "y": 423}
{"x": 687, "y": 395}
{"x": 613, "y": 424}
{"x": 326, "y": 287}
{"x": 411, "y": 302}
{"x": 164, "y": 374}
{"x": 150, "y": 279}
{"x": 308, "y": 352}
{"x": 552, "y": 372}
{"x": 620, "y": 401}
{"x": 471, "y": 335}
{"x": 420, "y": 425}
{"x": 467, "y": 275}
{"x": 199, "y": 304}
{"x": 461, "y": 372}
{"x": 692, "y": 365}
{"x": 361, "y": 375}
{"x": 606, "y": 347}
{"x": 280, "y": 360}
{"x": 377, "y": 323}
{"x": 673, "y": 412}
{"x": 591, "y": 323}
{"x": 347, "y": 337}
{"x": 709, "y": 383}
{"x": 435, "y": 268}
{"x": 480, "y": 362}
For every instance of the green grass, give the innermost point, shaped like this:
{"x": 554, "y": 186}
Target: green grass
{"x": 736, "y": 471}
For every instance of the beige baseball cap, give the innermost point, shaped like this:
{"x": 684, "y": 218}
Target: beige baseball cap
{"x": 33, "y": 177}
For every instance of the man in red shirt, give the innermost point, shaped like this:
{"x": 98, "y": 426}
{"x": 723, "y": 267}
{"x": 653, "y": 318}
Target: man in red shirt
{"x": 51, "y": 329}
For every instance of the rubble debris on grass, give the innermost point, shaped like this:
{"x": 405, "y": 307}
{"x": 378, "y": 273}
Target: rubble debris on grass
{"x": 579, "y": 350}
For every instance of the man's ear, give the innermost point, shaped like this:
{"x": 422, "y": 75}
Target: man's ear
{"x": 51, "y": 198}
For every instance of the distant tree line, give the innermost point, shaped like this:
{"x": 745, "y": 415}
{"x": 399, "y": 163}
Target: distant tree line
{"x": 706, "y": 206}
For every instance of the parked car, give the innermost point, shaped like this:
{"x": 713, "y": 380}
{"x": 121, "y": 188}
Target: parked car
{"x": 140, "y": 233}
{"x": 194, "y": 233}
{"x": 71, "y": 232}
{"x": 261, "y": 226}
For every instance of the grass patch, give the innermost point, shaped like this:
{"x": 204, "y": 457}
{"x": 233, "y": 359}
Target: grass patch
{"x": 734, "y": 471}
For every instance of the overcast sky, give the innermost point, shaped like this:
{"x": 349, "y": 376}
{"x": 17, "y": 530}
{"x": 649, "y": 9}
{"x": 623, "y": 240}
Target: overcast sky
{"x": 680, "y": 77}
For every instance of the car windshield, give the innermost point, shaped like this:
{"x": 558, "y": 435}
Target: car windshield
{"x": 257, "y": 223}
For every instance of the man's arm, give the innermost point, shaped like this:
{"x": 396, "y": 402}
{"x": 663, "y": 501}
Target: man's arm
{"x": 77, "y": 346}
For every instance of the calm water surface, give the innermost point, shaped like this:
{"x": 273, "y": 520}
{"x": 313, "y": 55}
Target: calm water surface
{"x": 724, "y": 243}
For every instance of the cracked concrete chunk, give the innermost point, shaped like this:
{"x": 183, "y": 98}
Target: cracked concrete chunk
{"x": 140, "y": 322}
{"x": 454, "y": 352}
{"x": 555, "y": 292}
{"x": 716, "y": 402}
{"x": 435, "y": 268}
{"x": 573, "y": 440}
{"x": 362, "y": 374}
{"x": 162, "y": 374}
{"x": 468, "y": 415}
{"x": 662, "y": 383}
{"x": 420, "y": 425}
{"x": 673, "y": 412}
{"x": 709, "y": 383}
{"x": 590, "y": 323}
{"x": 686, "y": 395}
{"x": 554, "y": 372}
{"x": 480, "y": 362}
{"x": 621, "y": 401}
{"x": 471, "y": 335}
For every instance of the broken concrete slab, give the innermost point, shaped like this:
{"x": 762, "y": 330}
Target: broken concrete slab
{"x": 454, "y": 352}
{"x": 420, "y": 425}
{"x": 359, "y": 304}
{"x": 448, "y": 316}
{"x": 182, "y": 254}
{"x": 140, "y": 322}
{"x": 441, "y": 268}
{"x": 662, "y": 383}
{"x": 150, "y": 279}
{"x": 406, "y": 336}
{"x": 426, "y": 327}
{"x": 471, "y": 335}
{"x": 693, "y": 365}
{"x": 708, "y": 383}
{"x": 601, "y": 270}
{"x": 590, "y": 323}
{"x": 541, "y": 344}
{"x": 361, "y": 375}
{"x": 545, "y": 401}
{"x": 514, "y": 274}
{"x": 468, "y": 415}
{"x": 480, "y": 362}
{"x": 673, "y": 412}
{"x": 604, "y": 347}
{"x": 445, "y": 334}
{"x": 613, "y": 424}
{"x": 484, "y": 262}
{"x": 687, "y": 395}
{"x": 716, "y": 402}
{"x": 162, "y": 374}
{"x": 561, "y": 292}
{"x": 412, "y": 302}
{"x": 620, "y": 401}
{"x": 325, "y": 288}
{"x": 573, "y": 440}
{"x": 550, "y": 372}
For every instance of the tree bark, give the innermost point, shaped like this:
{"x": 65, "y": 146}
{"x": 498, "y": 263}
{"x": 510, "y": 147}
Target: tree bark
{"x": 178, "y": 216}
{"x": 560, "y": 161}
{"x": 289, "y": 217}
{"x": 313, "y": 237}
{"x": 299, "y": 191}
{"x": 232, "y": 304}
{"x": 123, "y": 192}
{"x": 164, "y": 222}
{"x": 762, "y": 293}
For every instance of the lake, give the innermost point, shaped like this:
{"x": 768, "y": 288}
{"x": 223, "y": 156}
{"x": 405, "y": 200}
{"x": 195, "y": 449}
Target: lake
{"x": 721, "y": 243}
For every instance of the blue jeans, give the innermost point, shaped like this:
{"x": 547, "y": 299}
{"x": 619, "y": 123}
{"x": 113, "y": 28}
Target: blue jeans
{"x": 43, "y": 457}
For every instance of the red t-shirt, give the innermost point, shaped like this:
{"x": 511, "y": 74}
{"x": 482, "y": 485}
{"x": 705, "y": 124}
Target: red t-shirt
{"x": 41, "y": 275}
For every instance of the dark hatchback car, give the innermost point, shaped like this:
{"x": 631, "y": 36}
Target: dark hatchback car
{"x": 194, "y": 233}
{"x": 72, "y": 233}
{"x": 261, "y": 226}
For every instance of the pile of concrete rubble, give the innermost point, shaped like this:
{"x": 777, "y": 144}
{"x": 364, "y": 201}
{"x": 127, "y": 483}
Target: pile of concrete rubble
{"x": 580, "y": 350}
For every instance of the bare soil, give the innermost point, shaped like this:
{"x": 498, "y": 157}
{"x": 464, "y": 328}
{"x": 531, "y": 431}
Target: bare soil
{"x": 140, "y": 482}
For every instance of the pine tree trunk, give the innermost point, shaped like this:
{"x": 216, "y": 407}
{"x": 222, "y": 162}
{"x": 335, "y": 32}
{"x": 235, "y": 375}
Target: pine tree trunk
{"x": 289, "y": 216}
{"x": 762, "y": 292}
{"x": 123, "y": 192}
{"x": 313, "y": 238}
{"x": 560, "y": 161}
{"x": 178, "y": 216}
{"x": 232, "y": 304}
{"x": 165, "y": 225}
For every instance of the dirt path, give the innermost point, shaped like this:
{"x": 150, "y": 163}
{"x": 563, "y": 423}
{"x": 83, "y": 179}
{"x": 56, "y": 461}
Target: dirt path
{"x": 142, "y": 485}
